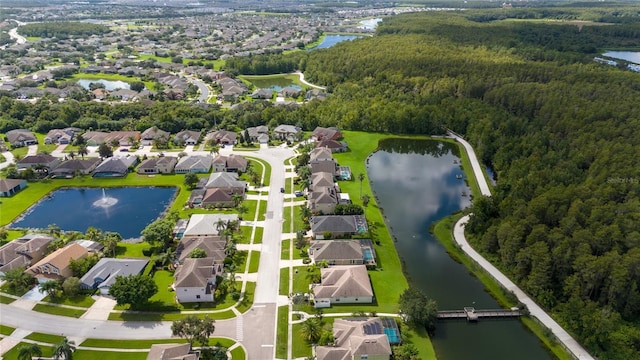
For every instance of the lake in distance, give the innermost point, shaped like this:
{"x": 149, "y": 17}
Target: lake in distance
{"x": 416, "y": 183}
{"x": 76, "y": 209}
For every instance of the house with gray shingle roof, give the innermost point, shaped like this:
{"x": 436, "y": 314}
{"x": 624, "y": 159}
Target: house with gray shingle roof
{"x": 343, "y": 252}
{"x": 357, "y": 338}
{"x": 21, "y": 137}
{"x": 69, "y": 168}
{"x": 194, "y": 164}
{"x": 231, "y": 163}
{"x": 103, "y": 274}
{"x": 286, "y": 132}
{"x": 187, "y": 137}
{"x": 205, "y": 224}
{"x": 213, "y": 246}
{"x": 32, "y": 161}
{"x": 337, "y": 226}
{"x": 9, "y": 187}
{"x": 195, "y": 280}
{"x": 171, "y": 352}
{"x": 148, "y": 136}
{"x": 115, "y": 166}
{"x": 158, "y": 165}
{"x": 343, "y": 284}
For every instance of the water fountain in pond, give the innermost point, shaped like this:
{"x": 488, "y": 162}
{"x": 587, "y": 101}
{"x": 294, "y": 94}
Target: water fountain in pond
{"x": 105, "y": 201}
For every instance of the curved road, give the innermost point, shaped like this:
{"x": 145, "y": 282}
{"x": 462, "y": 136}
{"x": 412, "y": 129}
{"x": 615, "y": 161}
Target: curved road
{"x": 302, "y": 80}
{"x": 536, "y": 311}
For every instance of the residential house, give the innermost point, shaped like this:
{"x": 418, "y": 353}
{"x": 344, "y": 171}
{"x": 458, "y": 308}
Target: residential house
{"x": 330, "y": 133}
{"x": 195, "y": 280}
{"x": 124, "y": 94}
{"x": 315, "y": 94}
{"x": 35, "y": 161}
{"x": 333, "y": 145}
{"x": 320, "y": 154}
{"x": 213, "y": 246}
{"x": 231, "y": 163}
{"x": 115, "y": 167}
{"x": 343, "y": 252}
{"x": 259, "y": 134}
{"x": 290, "y": 92}
{"x": 158, "y": 165}
{"x": 72, "y": 167}
{"x": 194, "y": 164}
{"x": 23, "y": 251}
{"x": 9, "y": 187}
{"x": 224, "y": 137}
{"x": 337, "y": 226}
{"x": 264, "y": 94}
{"x": 320, "y": 180}
{"x": 187, "y": 137}
{"x": 207, "y": 224}
{"x": 60, "y": 136}
{"x": 360, "y": 338}
{"x": 343, "y": 284}
{"x": 323, "y": 200}
{"x": 286, "y": 132}
{"x": 153, "y": 133}
{"x": 171, "y": 352}
{"x": 100, "y": 94}
{"x": 103, "y": 274}
{"x": 21, "y": 137}
{"x": 55, "y": 266}
{"x": 123, "y": 138}
{"x": 218, "y": 191}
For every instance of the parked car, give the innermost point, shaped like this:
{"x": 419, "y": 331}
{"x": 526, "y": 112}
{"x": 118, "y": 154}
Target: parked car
{"x": 299, "y": 193}
{"x": 282, "y": 190}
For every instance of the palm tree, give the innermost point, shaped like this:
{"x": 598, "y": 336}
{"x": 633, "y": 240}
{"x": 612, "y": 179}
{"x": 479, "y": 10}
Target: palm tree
{"x": 311, "y": 330}
{"x": 361, "y": 178}
{"x": 72, "y": 155}
{"x": 167, "y": 257}
{"x": 220, "y": 225}
{"x": 237, "y": 199}
{"x": 17, "y": 279}
{"x": 82, "y": 150}
{"x": 322, "y": 264}
{"x": 64, "y": 350}
{"x": 51, "y": 288}
{"x": 29, "y": 351}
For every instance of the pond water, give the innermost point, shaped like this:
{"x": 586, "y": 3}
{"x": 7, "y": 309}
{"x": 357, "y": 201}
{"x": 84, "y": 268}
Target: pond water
{"x": 330, "y": 40}
{"x": 273, "y": 83}
{"x": 416, "y": 182}
{"x": 126, "y": 210}
{"x": 108, "y": 84}
{"x": 369, "y": 24}
{"x": 631, "y": 56}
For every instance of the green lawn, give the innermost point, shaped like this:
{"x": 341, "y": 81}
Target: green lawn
{"x": 420, "y": 339}
{"x": 301, "y": 278}
{"x": 257, "y": 168}
{"x": 300, "y": 347}
{"x": 80, "y": 300}
{"x": 282, "y": 330}
{"x": 6, "y": 299}
{"x": 45, "y": 338}
{"x": 254, "y": 262}
{"x": 165, "y": 294}
{"x": 284, "y": 281}
{"x": 247, "y": 301}
{"x": 47, "y": 351}
{"x": 257, "y": 237}
{"x": 42, "y": 147}
{"x": 56, "y": 310}
{"x": 109, "y": 355}
{"x": 170, "y": 316}
{"x": 146, "y": 344}
{"x": 246, "y": 235}
{"x": 238, "y": 354}
{"x": 6, "y": 330}
{"x": 132, "y": 250}
{"x": 285, "y": 250}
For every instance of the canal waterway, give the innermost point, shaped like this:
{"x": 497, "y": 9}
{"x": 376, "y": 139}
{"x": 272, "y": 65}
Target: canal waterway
{"x": 417, "y": 183}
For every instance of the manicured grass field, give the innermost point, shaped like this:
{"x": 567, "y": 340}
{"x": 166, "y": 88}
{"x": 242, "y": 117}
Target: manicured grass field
{"x": 284, "y": 282}
{"x": 56, "y": 310}
{"x": 45, "y": 338}
{"x": 266, "y": 172}
{"x": 131, "y": 250}
{"x": 47, "y": 351}
{"x": 127, "y": 316}
{"x": 247, "y": 301}
{"x": 6, "y": 299}
{"x": 257, "y": 237}
{"x": 300, "y": 347}
{"x": 238, "y": 354}
{"x": 80, "y": 300}
{"x": 6, "y": 330}
{"x": 146, "y": 344}
{"x": 281, "y": 332}
{"x": 254, "y": 261}
{"x": 285, "y": 250}
{"x": 109, "y": 355}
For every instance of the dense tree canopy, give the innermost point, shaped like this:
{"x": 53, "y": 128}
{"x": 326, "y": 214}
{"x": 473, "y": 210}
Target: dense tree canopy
{"x": 134, "y": 290}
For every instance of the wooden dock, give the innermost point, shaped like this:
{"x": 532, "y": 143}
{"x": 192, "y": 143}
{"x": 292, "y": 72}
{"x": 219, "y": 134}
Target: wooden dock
{"x": 472, "y": 314}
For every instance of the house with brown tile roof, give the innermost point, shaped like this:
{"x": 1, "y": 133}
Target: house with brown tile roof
{"x": 23, "y": 251}
{"x": 213, "y": 246}
{"x": 343, "y": 252}
{"x": 69, "y": 168}
{"x": 343, "y": 284}
{"x": 158, "y": 165}
{"x": 32, "y": 161}
{"x": 224, "y": 137}
{"x": 330, "y": 133}
{"x": 231, "y": 163}
{"x": 55, "y": 266}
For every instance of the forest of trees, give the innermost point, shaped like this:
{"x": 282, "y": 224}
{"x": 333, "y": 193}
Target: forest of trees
{"x": 561, "y": 131}
{"x": 62, "y": 29}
